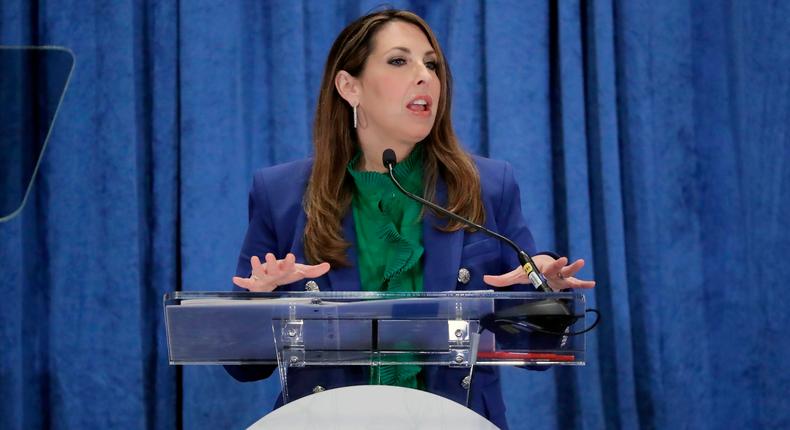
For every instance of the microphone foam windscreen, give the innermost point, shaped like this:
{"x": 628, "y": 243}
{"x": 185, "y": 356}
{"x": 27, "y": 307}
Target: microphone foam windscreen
{"x": 389, "y": 157}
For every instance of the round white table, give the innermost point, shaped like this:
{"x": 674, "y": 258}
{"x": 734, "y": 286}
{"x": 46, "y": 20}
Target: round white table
{"x": 373, "y": 407}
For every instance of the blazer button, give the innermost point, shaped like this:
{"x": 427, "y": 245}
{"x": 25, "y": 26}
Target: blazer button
{"x": 317, "y": 389}
{"x": 466, "y": 382}
{"x": 311, "y": 286}
{"x": 464, "y": 276}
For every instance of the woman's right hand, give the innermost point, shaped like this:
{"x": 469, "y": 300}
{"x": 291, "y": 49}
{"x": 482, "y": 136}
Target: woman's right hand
{"x": 267, "y": 276}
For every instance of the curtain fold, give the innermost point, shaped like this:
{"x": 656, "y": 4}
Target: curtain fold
{"x": 650, "y": 138}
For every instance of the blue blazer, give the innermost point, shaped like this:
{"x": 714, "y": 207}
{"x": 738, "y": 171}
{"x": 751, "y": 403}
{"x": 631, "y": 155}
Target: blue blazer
{"x": 277, "y": 220}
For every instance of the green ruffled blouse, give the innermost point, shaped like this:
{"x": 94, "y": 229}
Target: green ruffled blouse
{"x": 389, "y": 243}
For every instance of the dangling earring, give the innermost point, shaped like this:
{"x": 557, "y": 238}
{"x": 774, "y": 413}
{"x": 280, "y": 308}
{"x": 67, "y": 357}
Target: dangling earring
{"x": 355, "y": 116}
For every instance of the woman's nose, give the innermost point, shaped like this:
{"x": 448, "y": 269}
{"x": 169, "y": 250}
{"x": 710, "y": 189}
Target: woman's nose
{"x": 424, "y": 75}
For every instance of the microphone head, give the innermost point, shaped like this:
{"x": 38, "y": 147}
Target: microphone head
{"x": 389, "y": 158}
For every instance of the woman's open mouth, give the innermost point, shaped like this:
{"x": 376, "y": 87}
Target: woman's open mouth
{"x": 420, "y": 105}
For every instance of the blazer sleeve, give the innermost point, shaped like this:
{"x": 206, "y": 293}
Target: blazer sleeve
{"x": 516, "y": 228}
{"x": 259, "y": 239}
{"x": 261, "y": 236}
{"x": 511, "y": 219}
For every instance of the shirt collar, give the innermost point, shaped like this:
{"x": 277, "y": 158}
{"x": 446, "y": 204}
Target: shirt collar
{"x": 408, "y": 172}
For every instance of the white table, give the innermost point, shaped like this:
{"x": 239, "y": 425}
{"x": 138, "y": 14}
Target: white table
{"x": 372, "y": 407}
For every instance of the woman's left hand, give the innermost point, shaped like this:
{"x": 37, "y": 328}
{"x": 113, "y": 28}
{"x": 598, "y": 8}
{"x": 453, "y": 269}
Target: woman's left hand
{"x": 559, "y": 273}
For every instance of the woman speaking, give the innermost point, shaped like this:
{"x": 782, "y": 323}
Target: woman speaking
{"x": 337, "y": 223}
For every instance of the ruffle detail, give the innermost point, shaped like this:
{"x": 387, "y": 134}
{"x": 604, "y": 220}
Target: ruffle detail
{"x": 404, "y": 375}
{"x": 405, "y": 257}
{"x": 389, "y": 237}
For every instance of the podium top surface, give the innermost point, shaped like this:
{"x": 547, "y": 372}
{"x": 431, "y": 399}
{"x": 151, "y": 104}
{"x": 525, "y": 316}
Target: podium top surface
{"x": 368, "y": 295}
{"x": 373, "y": 328}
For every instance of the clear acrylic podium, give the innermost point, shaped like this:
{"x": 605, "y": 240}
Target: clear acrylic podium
{"x": 298, "y": 329}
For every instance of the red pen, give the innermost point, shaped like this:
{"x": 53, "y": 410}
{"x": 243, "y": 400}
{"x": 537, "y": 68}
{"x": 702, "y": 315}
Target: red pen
{"x": 504, "y": 355}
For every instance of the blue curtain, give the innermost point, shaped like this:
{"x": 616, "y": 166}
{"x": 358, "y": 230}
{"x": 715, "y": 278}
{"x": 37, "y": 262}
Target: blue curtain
{"x": 651, "y": 138}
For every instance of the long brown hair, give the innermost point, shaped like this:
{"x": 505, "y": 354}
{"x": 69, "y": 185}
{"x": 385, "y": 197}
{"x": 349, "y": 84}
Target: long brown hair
{"x": 329, "y": 192}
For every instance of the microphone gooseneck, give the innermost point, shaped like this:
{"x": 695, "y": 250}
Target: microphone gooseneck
{"x": 547, "y": 320}
{"x": 530, "y": 268}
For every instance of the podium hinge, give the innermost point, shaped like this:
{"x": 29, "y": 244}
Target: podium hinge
{"x": 459, "y": 357}
{"x": 294, "y": 356}
{"x": 293, "y": 333}
{"x": 457, "y": 332}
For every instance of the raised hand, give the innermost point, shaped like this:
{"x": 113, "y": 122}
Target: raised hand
{"x": 267, "y": 276}
{"x": 558, "y": 272}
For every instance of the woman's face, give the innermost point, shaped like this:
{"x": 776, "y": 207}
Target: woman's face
{"x": 399, "y": 86}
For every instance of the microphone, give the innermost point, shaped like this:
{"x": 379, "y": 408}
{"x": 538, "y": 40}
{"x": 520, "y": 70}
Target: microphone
{"x": 530, "y": 268}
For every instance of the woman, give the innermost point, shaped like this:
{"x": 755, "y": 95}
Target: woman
{"x": 341, "y": 225}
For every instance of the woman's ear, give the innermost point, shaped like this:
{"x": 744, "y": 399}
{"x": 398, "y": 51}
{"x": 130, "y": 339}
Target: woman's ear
{"x": 348, "y": 87}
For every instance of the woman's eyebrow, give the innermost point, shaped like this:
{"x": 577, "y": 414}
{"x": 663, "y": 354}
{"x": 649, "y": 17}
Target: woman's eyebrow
{"x": 408, "y": 51}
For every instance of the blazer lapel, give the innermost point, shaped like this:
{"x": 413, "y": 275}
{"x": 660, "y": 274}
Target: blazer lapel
{"x": 347, "y": 278}
{"x": 442, "y": 256}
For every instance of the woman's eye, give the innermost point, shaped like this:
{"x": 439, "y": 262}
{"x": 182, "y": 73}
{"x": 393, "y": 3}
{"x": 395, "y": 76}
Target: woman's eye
{"x": 431, "y": 65}
{"x": 397, "y": 61}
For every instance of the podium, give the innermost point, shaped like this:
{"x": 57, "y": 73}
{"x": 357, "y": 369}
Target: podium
{"x": 461, "y": 329}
